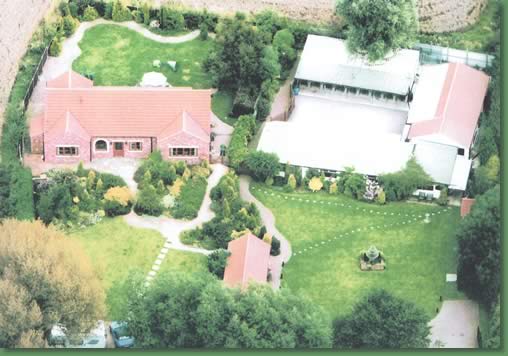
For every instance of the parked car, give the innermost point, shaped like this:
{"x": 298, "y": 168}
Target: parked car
{"x": 120, "y": 334}
{"x": 96, "y": 338}
{"x": 58, "y": 336}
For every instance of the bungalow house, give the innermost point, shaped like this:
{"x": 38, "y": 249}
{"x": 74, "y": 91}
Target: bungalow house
{"x": 248, "y": 261}
{"x": 82, "y": 122}
{"x": 375, "y": 117}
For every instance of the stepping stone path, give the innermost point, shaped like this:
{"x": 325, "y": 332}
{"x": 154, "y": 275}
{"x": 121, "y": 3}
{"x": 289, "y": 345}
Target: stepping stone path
{"x": 412, "y": 217}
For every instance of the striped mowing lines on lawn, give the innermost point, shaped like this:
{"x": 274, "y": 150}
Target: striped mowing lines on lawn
{"x": 413, "y": 218}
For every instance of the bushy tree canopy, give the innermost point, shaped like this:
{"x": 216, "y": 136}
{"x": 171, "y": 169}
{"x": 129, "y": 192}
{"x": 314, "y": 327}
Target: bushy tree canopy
{"x": 400, "y": 185}
{"x": 183, "y": 310}
{"x": 45, "y": 279}
{"x": 375, "y": 28}
{"x": 262, "y": 165}
{"x": 479, "y": 237}
{"x": 381, "y": 320}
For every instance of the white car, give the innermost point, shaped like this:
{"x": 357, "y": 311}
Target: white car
{"x": 96, "y": 338}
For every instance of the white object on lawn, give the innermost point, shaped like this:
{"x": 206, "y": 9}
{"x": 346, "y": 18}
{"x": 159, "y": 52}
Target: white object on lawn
{"x": 154, "y": 79}
{"x": 172, "y": 64}
{"x": 157, "y": 63}
{"x": 451, "y": 277}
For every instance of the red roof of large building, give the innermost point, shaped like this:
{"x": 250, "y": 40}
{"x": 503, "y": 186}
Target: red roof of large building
{"x": 459, "y": 106}
{"x": 126, "y": 111}
{"x": 465, "y": 206}
{"x": 248, "y": 261}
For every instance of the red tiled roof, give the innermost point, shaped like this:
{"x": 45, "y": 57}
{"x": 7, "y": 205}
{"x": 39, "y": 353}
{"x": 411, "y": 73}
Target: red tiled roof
{"x": 70, "y": 79}
{"x": 69, "y": 125}
{"x": 465, "y": 206}
{"x": 184, "y": 123}
{"x": 459, "y": 106}
{"x": 248, "y": 261}
{"x": 126, "y": 111}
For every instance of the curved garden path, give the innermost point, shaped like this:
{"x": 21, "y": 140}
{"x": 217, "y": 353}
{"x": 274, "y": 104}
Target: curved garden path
{"x": 269, "y": 221}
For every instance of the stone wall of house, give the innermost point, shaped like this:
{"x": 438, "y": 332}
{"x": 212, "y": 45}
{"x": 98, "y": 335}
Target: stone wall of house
{"x": 18, "y": 21}
{"x": 435, "y": 15}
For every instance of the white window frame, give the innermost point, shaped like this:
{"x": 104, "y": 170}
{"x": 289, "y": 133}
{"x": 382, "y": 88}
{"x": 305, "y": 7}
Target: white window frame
{"x": 67, "y": 146}
{"x": 131, "y": 142}
{"x": 175, "y": 147}
{"x": 100, "y": 151}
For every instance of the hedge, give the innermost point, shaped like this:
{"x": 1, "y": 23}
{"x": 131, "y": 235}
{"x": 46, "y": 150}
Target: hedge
{"x": 237, "y": 151}
{"x": 189, "y": 201}
{"x": 21, "y": 193}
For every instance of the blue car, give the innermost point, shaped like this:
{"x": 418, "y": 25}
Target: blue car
{"x": 120, "y": 335}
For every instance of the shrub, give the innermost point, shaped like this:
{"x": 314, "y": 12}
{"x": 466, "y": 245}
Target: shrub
{"x": 262, "y": 165}
{"x": 56, "y": 47}
{"x": 73, "y": 9}
{"x": 63, "y": 7}
{"x": 333, "y": 188}
{"x": 244, "y": 130}
{"x": 275, "y": 247}
{"x": 400, "y": 185}
{"x": 120, "y": 13}
{"x": 146, "y": 13}
{"x": 381, "y": 197}
{"x": 244, "y": 102}
{"x": 110, "y": 181}
{"x": 203, "y": 31}
{"x": 121, "y": 195}
{"x": 443, "y": 197}
{"x": 172, "y": 20}
{"x": 69, "y": 25}
{"x": 315, "y": 184}
{"x": 217, "y": 262}
{"x": 291, "y": 183}
{"x": 90, "y": 14}
{"x": 269, "y": 181}
{"x": 108, "y": 10}
{"x": 114, "y": 208}
{"x": 284, "y": 43}
{"x": 189, "y": 201}
{"x": 148, "y": 202}
{"x": 176, "y": 188}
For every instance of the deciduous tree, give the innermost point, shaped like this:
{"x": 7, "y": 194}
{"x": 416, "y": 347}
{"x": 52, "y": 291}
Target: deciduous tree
{"x": 381, "y": 320}
{"x": 375, "y": 28}
{"x": 45, "y": 279}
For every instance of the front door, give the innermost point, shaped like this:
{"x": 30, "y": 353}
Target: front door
{"x": 118, "y": 149}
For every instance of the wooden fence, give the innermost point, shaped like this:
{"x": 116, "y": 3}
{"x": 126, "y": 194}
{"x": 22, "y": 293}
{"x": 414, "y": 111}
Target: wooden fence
{"x": 35, "y": 77}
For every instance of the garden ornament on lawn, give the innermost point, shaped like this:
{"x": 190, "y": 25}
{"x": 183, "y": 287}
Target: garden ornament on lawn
{"x": 172, "y": 65}
{"x": 372, "y": 254}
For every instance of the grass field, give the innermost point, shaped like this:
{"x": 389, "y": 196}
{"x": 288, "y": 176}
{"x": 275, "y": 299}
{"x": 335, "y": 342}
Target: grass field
{"x": 116, "y": 249}
{"x": 476, "y": 37}
{"x": 325, "y": 262}
{"x": 182, "y": 261}
{"x": 119, "y": 56}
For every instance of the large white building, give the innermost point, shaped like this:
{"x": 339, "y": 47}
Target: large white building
{"x": 350, "y": 113}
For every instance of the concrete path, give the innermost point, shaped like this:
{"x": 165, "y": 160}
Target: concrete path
{"x": 269, "y": 221}
{"x": 56, "y": 66}
{"x": 222, "y": 133}
{"x": 456, "y": 324}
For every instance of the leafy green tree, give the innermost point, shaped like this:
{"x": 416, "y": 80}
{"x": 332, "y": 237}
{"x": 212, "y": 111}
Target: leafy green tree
{"x": 183, "y": 310}
{"x": 400, "y": 185}
{"x": 56, "y": 202}
{"x": 479, "y": 238}
{"x": 237, "y": 58}
{"x": 120, "y": 13}
{"x": 381, "y": 320}
{"x": 375, "y": 28}
{"x": 262, "y": 165}
{"x": 270, "y": 67}
{"x": 284, "y": 44}
{"x": 90, "y": 14}
{"x": 45, "y": 278}
{"x": 217, "y": 262}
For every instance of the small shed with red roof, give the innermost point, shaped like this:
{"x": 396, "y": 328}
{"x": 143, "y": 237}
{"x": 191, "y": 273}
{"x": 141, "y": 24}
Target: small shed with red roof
{"x": 248, "y": 261}
{"x": 82, "y": 122}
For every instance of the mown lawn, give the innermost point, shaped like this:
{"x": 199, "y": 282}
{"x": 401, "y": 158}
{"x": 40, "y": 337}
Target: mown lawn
{"x": 119, "y": 56}
{"x": 476, "y": 37}
{"x": 116, "y": 249}
{"x": 418, "y": 255}
{"x": 183, "y": 261}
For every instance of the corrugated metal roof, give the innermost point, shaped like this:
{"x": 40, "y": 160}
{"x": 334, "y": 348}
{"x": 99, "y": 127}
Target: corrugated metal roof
{"x": 327, "y": 60}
